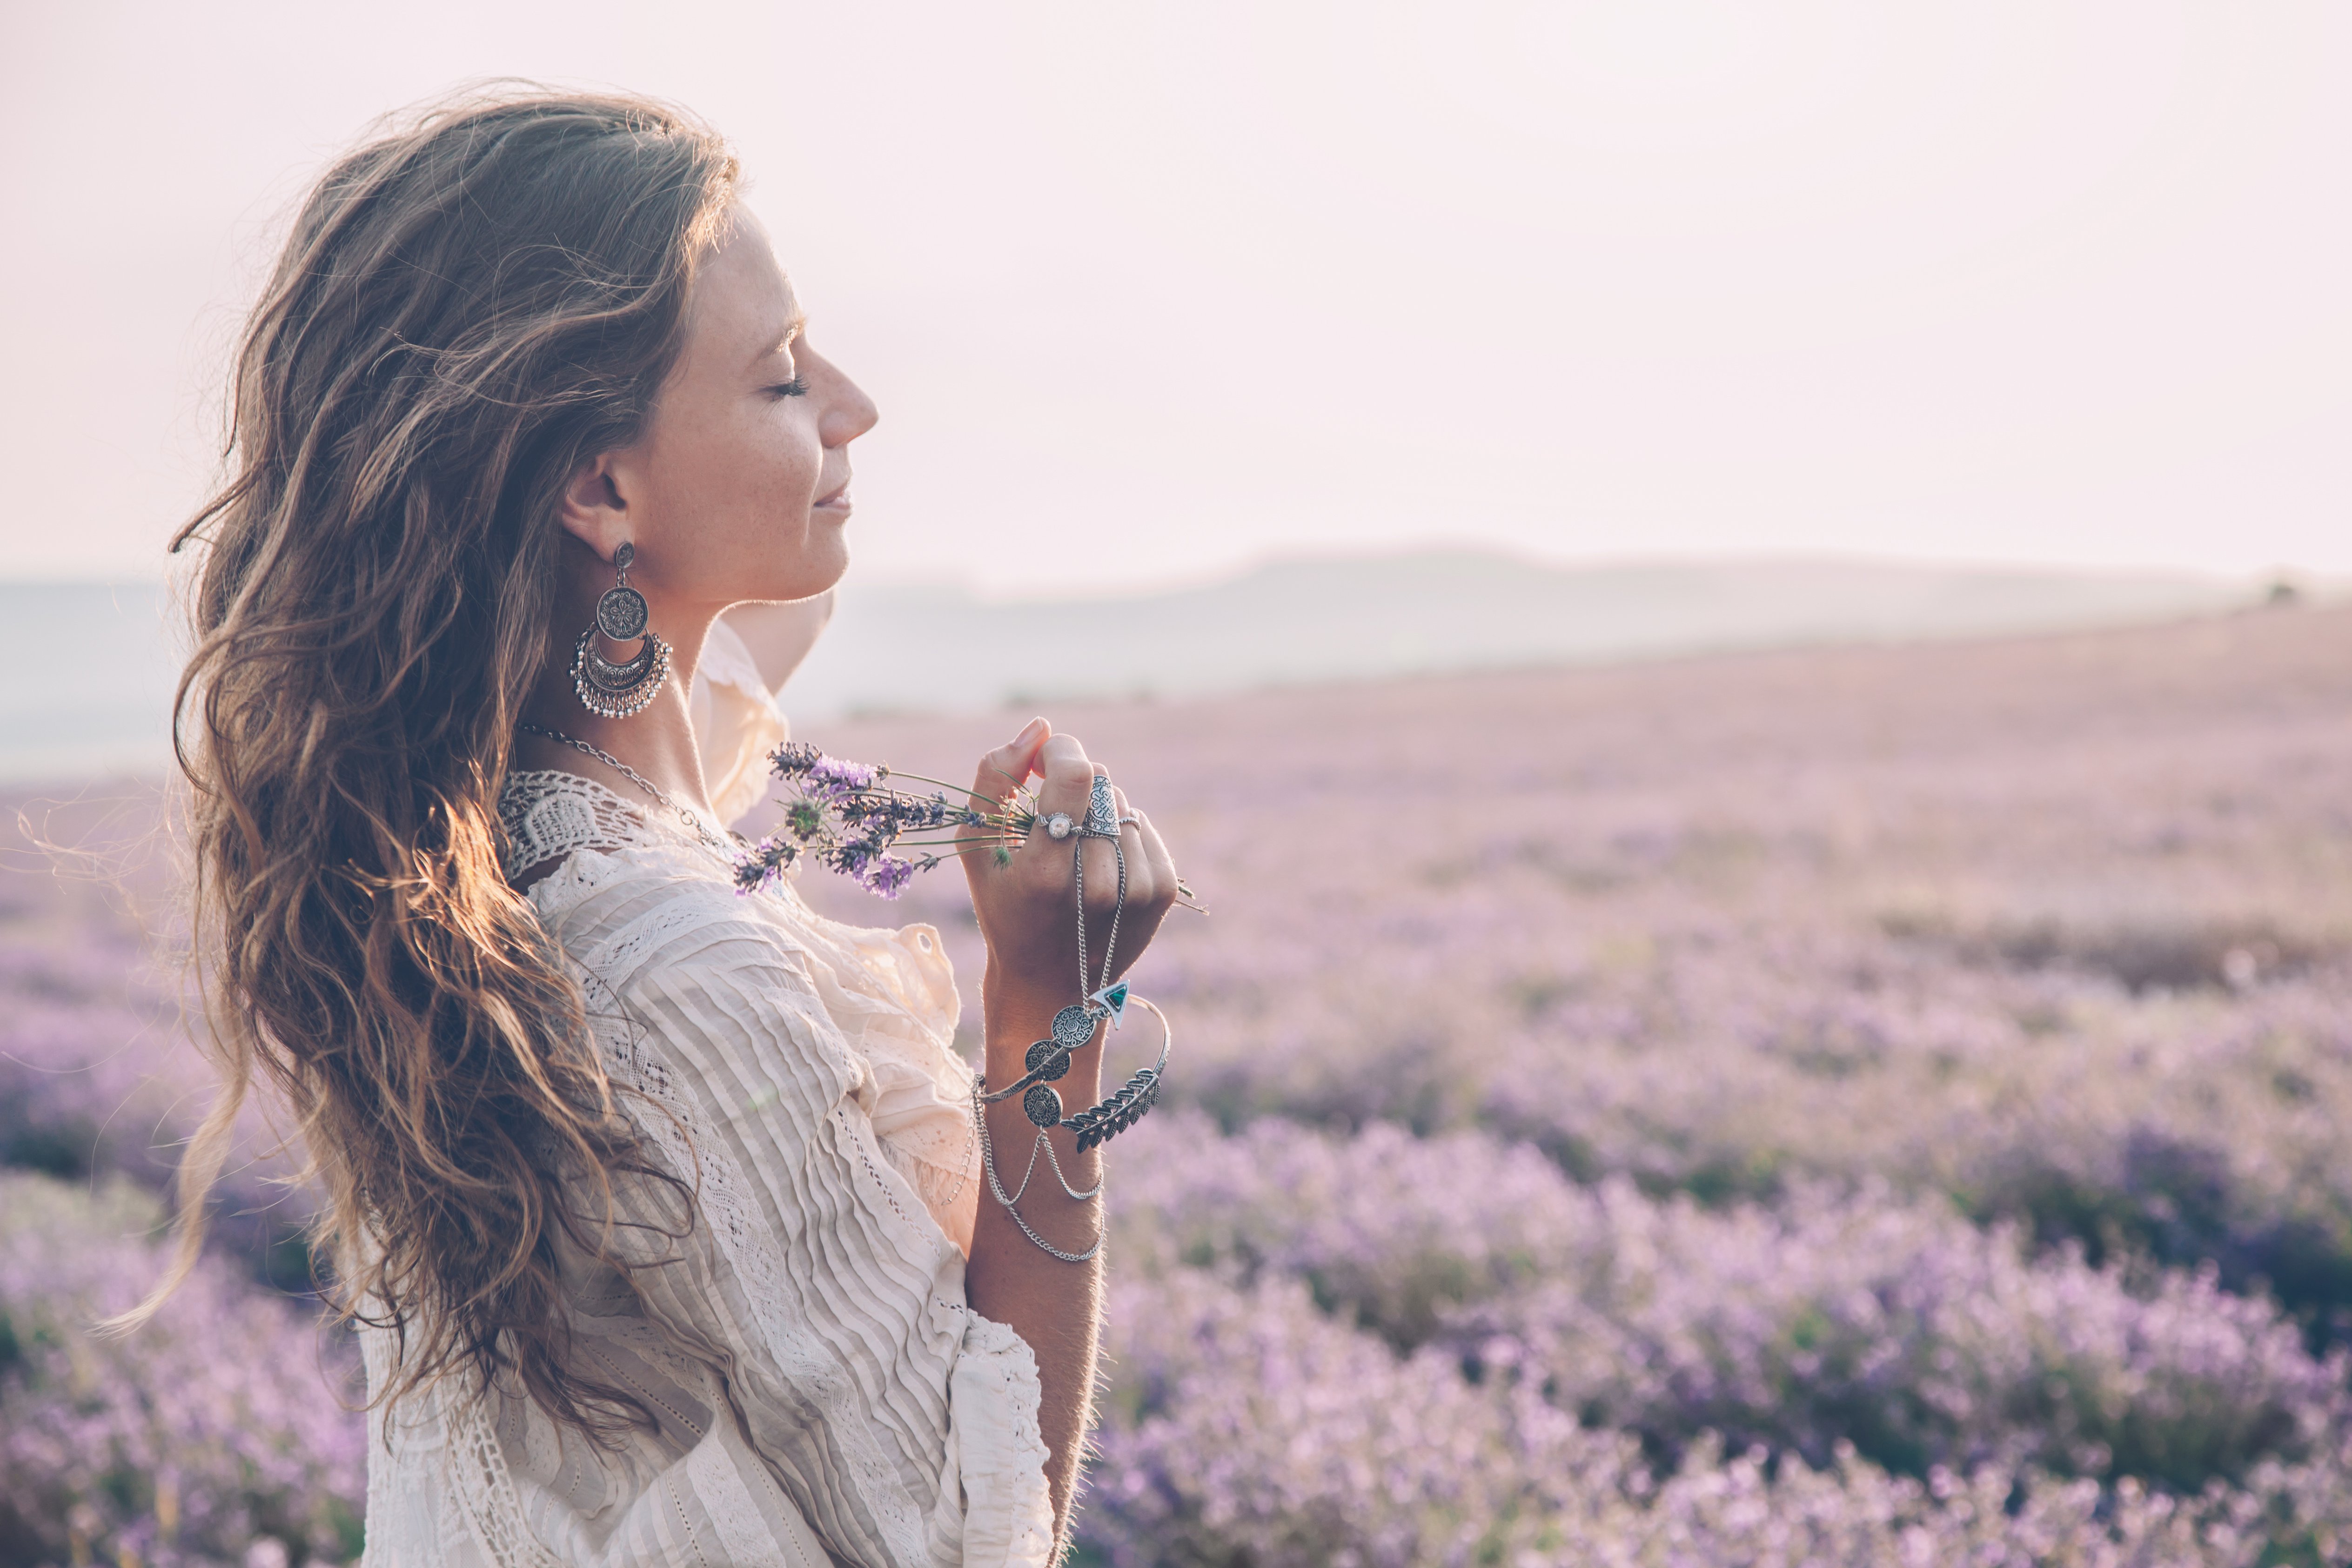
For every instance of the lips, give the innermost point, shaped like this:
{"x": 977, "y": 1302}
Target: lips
{"x": 837, "y": 496}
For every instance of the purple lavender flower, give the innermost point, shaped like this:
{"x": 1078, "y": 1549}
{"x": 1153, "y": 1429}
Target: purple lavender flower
{"x": 886, "y": 876}
{"x": 844, "y": 817}
{"x": 1244, "y": 1424}
{"x": 764, "y": 865}
{"x": 1790, "y": 1111}
{"x": 218, "y": 1427}
{"x": 832, "y": 779}
{"x": 793, "y": 759}
{"x": 850, "y": 856}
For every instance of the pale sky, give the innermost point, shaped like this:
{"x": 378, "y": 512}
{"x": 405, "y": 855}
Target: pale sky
{"x": 1151, "y": 291}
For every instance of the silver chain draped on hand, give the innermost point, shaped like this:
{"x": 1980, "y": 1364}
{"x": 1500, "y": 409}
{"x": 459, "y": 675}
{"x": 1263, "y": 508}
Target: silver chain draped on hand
{"x": 988, "y": 1163}
{"x": 1086, "y": 986}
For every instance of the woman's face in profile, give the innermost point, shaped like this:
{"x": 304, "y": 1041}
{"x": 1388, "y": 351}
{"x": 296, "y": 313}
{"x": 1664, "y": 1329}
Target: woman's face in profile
{"x": 738, "y": 489}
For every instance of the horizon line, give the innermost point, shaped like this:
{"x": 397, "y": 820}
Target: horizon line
{"x": 984, "y": 591}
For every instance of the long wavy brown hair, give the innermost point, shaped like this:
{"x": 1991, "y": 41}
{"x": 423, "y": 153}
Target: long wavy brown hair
{"x": 468, "y": 308}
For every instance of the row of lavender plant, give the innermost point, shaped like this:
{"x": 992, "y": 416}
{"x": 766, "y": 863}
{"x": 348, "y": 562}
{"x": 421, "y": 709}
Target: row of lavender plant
{"x": 2060, "y": 931}
{"x": 99, "y": 1073}
{"x": 1246, "y": 1425}
{"x": 220, "y": 1433}
{"x": 1728, "y": 995}
{"x": 1386, "y": 1350}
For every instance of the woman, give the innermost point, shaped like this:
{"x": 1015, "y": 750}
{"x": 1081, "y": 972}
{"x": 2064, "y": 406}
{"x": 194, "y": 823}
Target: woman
{"x": 658, "y": 1206}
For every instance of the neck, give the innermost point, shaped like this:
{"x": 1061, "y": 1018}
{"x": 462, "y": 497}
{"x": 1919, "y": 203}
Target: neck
{"x": 657, "y": 741}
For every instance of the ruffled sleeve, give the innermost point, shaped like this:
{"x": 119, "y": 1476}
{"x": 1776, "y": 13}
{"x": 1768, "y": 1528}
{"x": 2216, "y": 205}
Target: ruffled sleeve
{"x": 736, "y": 722}
{"x": 894, "y": 994}
{"x": 878, "y": 981}
{"x": 897, "y": 1423}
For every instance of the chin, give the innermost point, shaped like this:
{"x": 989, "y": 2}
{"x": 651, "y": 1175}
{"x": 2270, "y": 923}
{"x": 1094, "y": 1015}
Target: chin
{"x": 806, "y": 578}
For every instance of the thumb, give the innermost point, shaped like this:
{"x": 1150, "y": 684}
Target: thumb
{"x": 1008, "y": 767}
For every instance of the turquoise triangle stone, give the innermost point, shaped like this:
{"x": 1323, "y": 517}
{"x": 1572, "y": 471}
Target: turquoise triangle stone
{"x": 1115, "y": 998}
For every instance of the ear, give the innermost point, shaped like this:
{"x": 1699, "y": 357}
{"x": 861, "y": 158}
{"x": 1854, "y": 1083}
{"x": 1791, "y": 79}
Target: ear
{"x": 593, "y": 510}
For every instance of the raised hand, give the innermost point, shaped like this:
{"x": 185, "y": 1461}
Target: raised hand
{"x": 1027, "y": 905}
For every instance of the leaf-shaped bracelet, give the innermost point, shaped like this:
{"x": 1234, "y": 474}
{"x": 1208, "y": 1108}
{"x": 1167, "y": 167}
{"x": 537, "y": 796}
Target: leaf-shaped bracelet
{"x": 1050, "y": 1059}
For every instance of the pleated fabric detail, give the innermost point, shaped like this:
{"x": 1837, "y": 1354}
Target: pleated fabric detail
{"x": 821, "y": 1389}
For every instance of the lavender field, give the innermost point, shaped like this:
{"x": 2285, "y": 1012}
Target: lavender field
{"x": 1862, "y": 1106}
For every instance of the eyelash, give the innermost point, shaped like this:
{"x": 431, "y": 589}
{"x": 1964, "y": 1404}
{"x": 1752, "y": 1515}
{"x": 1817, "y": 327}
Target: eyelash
{"x": 796, "y": 387}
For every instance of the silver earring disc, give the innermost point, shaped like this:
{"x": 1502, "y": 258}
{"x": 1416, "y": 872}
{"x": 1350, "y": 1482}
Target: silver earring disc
{"x": 614, "y": 701}
{"x": 621, "y": 615}
{"x": 621, "y": 677}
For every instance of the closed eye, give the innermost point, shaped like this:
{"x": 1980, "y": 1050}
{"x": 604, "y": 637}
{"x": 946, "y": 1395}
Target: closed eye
{"x": 796, "y": 387}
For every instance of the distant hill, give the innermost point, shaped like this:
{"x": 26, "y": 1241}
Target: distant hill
{"x": 1308, "y": 621}
{"x": 105, "y": 654}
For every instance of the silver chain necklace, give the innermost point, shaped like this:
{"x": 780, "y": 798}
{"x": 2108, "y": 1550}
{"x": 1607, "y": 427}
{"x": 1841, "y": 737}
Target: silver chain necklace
{"x": 693, "y": 822}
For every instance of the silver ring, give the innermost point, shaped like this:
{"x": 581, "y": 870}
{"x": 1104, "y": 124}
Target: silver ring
{"x": 1058, "y": 825}
{"x": 1102, "y": 810}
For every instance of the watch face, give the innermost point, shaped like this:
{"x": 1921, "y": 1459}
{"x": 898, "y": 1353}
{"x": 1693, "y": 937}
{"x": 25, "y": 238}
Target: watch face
{"x": 621, "y": 615}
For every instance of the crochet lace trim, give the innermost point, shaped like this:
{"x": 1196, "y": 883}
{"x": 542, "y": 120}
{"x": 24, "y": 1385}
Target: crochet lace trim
{"x": 550, "y": 816}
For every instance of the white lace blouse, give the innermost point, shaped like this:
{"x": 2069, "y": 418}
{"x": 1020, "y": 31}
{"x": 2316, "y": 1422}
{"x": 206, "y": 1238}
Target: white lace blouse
{"x": 801, "y": 1071}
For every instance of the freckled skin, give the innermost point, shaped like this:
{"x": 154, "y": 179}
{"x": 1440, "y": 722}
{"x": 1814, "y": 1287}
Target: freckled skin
{"x": 736, "y": 492}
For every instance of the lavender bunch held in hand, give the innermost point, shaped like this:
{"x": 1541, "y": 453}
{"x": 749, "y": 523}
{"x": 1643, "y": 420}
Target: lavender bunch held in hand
{"x": 845, "y": 816}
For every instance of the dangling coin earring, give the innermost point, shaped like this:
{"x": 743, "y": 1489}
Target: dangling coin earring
{"x": 613, "y": 690}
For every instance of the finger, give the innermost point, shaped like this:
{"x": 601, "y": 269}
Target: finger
{"x": 1008, "y": 767}
{"x": 1157, "y": 855}
{"x": 1111, "y": 866}
{"x": 1110, "y": 883}
{"x": 1066, "y": 774}
{"x": 1001, "y": 774}
{"x": 1149, "y": 890}
{"x": 1143, "y": 883}
{"x": 1066, "y": 781}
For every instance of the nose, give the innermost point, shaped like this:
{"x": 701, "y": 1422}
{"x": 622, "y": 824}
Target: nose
{"x": 846, "y": 412}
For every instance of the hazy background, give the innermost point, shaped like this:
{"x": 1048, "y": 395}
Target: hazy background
{"x": 1916, "y": 1074}
{"x": 1151, "y": 294}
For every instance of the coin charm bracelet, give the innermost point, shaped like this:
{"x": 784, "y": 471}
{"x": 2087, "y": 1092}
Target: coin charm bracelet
{"x": 1073, "y": 1026}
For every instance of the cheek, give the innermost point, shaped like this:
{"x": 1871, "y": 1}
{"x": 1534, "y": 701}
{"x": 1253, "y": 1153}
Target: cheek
{"x": 736, "y": 473}
{"x": 799, "y": 466}
{"x": 780, "y": 455}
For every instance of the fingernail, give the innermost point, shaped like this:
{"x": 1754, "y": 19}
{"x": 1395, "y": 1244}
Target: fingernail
{"x": 1030, "y": 731}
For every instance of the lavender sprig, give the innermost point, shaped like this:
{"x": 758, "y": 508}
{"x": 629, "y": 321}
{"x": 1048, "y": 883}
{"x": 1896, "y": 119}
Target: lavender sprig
{"x": 846, "y": 817}
{"x": 842, "y": 815}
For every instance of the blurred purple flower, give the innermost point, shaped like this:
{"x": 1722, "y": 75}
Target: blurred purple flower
{"x": 219, "y": 1425}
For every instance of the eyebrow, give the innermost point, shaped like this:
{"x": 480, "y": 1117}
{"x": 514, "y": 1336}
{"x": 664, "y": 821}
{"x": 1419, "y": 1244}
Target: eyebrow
{"x": 783, "y": 339}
